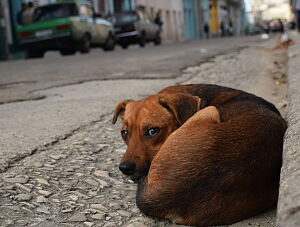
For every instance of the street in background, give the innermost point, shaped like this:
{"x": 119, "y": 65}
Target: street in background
{"x": 67, "y": 27}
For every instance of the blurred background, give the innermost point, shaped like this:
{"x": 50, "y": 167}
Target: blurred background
{"x": 177, "y": 20}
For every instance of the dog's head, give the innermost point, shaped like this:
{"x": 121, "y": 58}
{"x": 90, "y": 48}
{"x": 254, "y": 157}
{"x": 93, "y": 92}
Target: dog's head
{"x": 146, "y": 124}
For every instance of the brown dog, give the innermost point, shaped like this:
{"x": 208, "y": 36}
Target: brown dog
{"x": 202, "y": 154}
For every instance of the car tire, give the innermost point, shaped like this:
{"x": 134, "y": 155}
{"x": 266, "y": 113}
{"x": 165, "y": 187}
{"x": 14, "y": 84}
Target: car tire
{"x": 124, "y": 46}
{"x": 157, "y": 40}
{"x": 110, "y": 43}
{"x": 85, "y": 44}
{"x": 66, "y": 52}
{"x": 31, "y": 53}
{"x": 142, "y": 41}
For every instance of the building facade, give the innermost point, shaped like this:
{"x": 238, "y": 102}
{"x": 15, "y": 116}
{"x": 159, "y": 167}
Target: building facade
{"x": 3, "y": 33}
{"x": 237, "y": 16}
{"x": 9, "y": 48}
{"x": 191, "y": 19}
{"x": 204, "y": 15}
{"x": 262, "y": 10}
{"x": 227, "y": 15}
{"x": 171, "y": 14}
{"x": 106, "y": 7}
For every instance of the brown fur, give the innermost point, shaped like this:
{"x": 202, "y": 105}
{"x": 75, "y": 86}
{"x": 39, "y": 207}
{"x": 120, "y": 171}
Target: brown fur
{"x": 284, "y": 45}
{"x": 212, "y": 166}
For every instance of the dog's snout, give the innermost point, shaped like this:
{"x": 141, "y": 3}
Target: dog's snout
{"x": 127, "y": 168}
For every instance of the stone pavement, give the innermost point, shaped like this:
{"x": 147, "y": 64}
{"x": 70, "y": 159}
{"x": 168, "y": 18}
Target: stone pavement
{"x": 288, "y": 214}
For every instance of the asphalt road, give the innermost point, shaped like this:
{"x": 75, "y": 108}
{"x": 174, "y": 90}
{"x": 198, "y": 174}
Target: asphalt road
{"x": 19, "y": 79}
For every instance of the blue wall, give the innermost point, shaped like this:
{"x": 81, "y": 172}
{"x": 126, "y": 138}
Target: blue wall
{"x": 190, "y": 19}
{"x": 14, "y": 9}
{"x": 205, "y": 8}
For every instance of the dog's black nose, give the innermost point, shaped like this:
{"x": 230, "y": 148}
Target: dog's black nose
{"x": 127, "y": 168}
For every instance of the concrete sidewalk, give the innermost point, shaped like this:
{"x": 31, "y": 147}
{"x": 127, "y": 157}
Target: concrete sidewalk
{"x": 288, "y": 214}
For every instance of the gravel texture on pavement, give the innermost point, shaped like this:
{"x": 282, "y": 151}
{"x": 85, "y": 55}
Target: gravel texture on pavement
{"x": 76, "y": 182}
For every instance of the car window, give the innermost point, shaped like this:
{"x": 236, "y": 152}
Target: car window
{"x": 54, "y": 11}
{"x": 141, "y": 15}
{"x": 146, "y": 16}
{"x": 123, "y": 18}
{"x": 85, "y": 11}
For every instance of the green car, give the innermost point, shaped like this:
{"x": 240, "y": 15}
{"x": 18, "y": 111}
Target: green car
{"x": 67, "y": 27}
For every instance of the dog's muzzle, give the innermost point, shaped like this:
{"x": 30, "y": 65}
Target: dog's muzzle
{"x": 129, "y": 169}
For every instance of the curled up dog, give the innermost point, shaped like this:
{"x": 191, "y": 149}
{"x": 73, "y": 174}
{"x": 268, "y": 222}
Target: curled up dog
{"x": 202, "y": 154}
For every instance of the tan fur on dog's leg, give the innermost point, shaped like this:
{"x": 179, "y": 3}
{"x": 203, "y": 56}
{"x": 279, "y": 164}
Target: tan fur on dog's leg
{"x": 209, "y": 114}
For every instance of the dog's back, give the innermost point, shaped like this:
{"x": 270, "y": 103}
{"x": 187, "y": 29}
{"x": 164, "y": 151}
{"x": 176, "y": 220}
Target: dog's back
{"x": 214, "y": 95}
{"x": 219, "y": 173}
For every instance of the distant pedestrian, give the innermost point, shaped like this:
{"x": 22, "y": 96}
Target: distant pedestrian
{"x": 206, "y": 30}
{"x": 158, "y": 20}
{"x": 230, "y": 28}
{"x": 20, "y": 14}
{"x": 266, "y": 27}
{"x": 27, "y": 16}
{"x": 296, "y": 11}
{"x": 222, "y": 29}
{"x": 281, "y": 27}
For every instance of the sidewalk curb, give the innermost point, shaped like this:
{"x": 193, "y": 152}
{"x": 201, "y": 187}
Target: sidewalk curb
{"x": 288, "y": 213}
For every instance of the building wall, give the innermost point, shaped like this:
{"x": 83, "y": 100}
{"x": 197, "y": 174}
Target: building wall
{"x": 261, "y": 10}
{"x": 279, "y": 11}
{"x": 205, "y": 11}
{"x": 191, "y": 19}
{"x": 172, "y": 15}
{"x": 104, "y": 7}
{"x": 214, "y": 17}
{"x": 7, "y": 22}
{"x": 223, "y": 9}
{"x": 238, "y": 16}
{"x": 230, "y": 12}
{"x": 3, "y": 44}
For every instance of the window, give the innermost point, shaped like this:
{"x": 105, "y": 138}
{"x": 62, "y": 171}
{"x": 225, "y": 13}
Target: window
{"x": 141, "y": 15}
{"x": 54, "y": 11}
{"x": 123, "y": 18}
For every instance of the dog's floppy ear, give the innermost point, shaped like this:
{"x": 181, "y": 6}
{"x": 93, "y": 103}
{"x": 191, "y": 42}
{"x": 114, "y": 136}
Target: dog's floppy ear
{"x": 120, "y": 108}
{"x": 182, "y": 106}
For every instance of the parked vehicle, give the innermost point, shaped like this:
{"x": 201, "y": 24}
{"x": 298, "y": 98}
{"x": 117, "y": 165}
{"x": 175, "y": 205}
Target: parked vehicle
{"x": 291, "y": 25}
{"x": 135, "y": 27}
{"x": 253, "y": 29}
{"x": 67, "y": 27}
{"x": 277, "y": 26}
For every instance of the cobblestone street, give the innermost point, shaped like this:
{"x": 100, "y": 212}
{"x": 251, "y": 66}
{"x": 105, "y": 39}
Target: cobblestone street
{"x": 75, "y": 181}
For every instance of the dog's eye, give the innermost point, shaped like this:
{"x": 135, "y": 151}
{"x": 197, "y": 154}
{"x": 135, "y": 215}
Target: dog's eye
{"x": 124, "y": 134}
{"x": 151, "y": 132}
